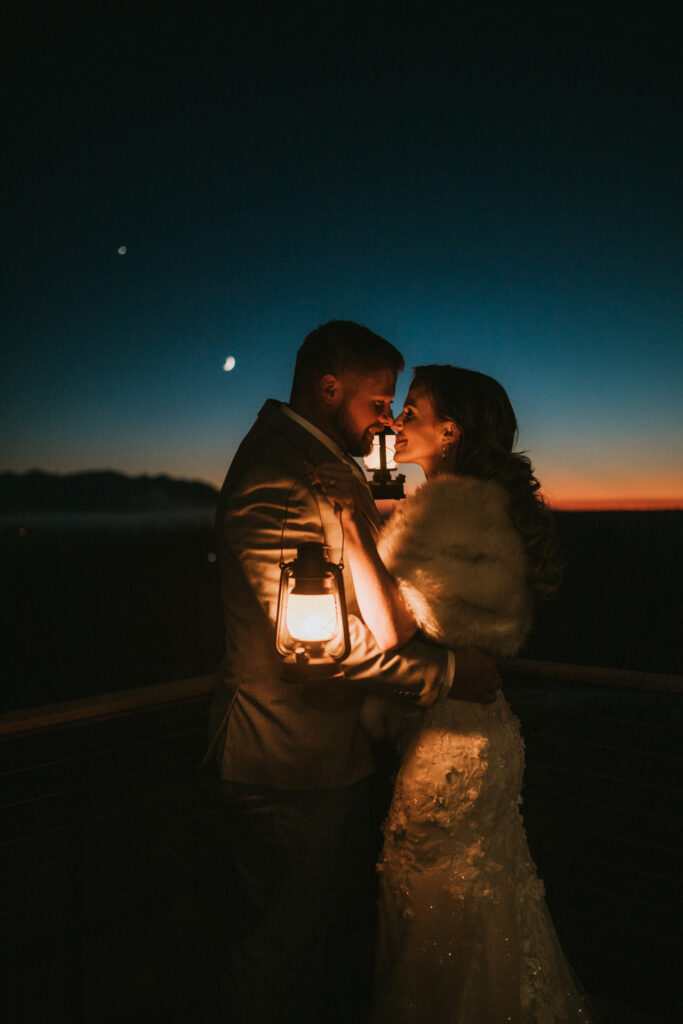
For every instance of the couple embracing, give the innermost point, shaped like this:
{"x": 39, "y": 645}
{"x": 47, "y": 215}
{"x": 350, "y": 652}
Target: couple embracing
{"x": 433, "y": 596}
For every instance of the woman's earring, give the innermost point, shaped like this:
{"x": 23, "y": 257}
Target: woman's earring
{"x": 445, "y": 448}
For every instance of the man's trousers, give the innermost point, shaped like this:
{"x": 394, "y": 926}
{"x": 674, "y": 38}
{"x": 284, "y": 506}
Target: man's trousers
{"x": 302, "y": 920}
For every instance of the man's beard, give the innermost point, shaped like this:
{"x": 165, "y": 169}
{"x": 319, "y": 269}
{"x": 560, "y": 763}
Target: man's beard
{"x": 355, "y": 443}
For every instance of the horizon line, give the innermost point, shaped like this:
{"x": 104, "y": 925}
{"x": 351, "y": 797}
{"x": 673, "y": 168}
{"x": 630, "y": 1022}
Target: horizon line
{"x": 564, "y": 504}
{"x": 616, "y": 504}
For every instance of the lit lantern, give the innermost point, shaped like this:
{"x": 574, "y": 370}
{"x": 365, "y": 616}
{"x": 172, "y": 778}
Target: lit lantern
{"x": 381, "y": 461}
{"x": 312, "y": 625}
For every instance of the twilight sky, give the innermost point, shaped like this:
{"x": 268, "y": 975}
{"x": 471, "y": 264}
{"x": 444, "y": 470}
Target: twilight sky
{"x": 492, "y": 185}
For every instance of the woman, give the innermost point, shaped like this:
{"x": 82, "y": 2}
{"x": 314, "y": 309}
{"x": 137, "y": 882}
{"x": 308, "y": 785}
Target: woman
{"x": 464, "y": 932}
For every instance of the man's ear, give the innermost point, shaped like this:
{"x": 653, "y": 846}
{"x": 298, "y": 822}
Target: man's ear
{"x": 331, "y": 390}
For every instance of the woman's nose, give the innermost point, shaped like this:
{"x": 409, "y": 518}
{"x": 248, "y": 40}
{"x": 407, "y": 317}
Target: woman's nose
{"x": 398, "y": 422}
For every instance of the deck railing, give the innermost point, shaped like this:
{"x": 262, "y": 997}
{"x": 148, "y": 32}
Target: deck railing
{"x": 113, "y": 849}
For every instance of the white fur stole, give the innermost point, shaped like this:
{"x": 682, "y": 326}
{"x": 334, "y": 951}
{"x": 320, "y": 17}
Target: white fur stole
{"x": 460, "y": 564}
{"x": 461, "y": 568}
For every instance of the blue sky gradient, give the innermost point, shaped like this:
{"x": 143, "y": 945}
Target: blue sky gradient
{"x": 496, "y": 191}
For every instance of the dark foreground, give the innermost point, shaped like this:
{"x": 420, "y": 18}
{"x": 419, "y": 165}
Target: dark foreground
{"x": 115, "y": 877}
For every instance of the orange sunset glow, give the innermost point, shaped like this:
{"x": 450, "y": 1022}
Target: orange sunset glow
{"x": 613, "y": 492}
{"x": 615, "y": 504}
{"x": 567, "y": 490}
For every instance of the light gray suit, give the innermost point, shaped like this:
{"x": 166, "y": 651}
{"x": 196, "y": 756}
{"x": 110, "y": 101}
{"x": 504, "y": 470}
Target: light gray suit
{"x": 295, "y": 763}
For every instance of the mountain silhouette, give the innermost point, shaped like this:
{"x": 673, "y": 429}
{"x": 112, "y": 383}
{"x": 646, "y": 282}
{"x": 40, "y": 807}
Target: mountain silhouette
{"x": 100, "y": 491}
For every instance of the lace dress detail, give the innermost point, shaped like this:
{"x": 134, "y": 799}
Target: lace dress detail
{"x": 465, "y": 935}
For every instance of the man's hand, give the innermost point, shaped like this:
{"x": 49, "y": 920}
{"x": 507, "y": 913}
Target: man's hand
{"x": 476, "y": 677}
{"x": 336, "y": 481}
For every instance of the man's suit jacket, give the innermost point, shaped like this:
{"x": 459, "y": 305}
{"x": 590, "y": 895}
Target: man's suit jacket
{"x": 269, "y": 731}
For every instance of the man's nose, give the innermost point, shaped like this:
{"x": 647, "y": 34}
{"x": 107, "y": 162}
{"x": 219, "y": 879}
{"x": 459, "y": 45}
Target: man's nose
{"x": 387, "y": 417}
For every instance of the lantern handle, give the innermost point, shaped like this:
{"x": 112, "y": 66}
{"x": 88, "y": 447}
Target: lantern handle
{"x": 338, "y": 514}
{"x": 284, "y": 521}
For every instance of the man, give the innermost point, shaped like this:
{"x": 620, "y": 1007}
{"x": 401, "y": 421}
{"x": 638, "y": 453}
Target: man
{"x": 296, "y": 767}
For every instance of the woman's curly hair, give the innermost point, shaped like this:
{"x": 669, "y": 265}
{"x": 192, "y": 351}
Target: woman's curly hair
{"x": 481, "y": 409}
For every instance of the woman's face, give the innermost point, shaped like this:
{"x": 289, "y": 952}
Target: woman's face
{"x": 420, "y": 437}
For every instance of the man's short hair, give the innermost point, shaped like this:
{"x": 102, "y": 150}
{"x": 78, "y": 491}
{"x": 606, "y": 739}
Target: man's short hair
{"x": 341, "y": 346}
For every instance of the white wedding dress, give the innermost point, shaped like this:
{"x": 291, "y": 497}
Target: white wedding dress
{"x": 465, "y": 936}
{"x": 464, "y": 933}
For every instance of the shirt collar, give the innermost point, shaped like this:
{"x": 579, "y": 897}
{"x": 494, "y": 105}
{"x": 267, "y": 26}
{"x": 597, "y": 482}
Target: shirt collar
{"x": 324, "y": 439}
